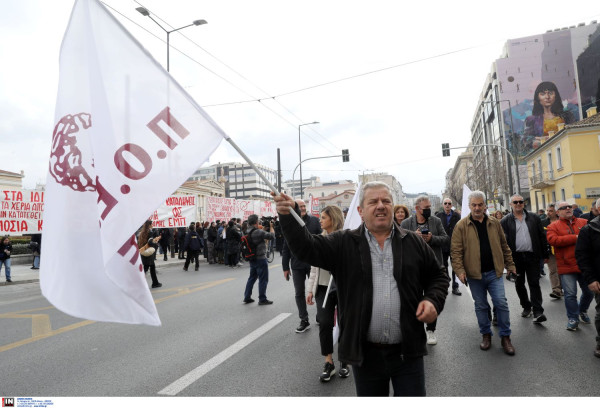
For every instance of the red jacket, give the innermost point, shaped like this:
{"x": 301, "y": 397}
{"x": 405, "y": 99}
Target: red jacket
{"x": 562, "y": 235}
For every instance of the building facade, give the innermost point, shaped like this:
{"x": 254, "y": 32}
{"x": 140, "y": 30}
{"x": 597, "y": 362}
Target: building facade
{"x": 397, "y": 192}
{"x": 292, "y": 187}
{"x": 239, "y": 179}
{"x": 509, "y": 120}
{"x": 11, "y": 181}
{"x": 566, "y": 167}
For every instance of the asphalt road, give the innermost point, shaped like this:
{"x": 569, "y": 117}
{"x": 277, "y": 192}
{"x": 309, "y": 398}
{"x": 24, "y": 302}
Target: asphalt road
{"x": 211, "y": 344}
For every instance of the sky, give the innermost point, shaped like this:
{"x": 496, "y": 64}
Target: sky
{"x": 390, "y": 81}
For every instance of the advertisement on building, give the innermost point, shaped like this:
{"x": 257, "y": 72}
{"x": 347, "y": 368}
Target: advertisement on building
{"x": 539, "y": 84}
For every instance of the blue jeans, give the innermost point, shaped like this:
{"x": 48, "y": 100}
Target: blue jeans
{"x": 569, "y": 283}
{"x": 259, "y": 269}
{"x": 36, "y": 261}
{"x": 6, "y": 263}
{"x": 493, "y": 285}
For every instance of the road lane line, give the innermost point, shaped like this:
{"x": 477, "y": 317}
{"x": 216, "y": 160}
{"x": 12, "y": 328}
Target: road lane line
{"x": 194, "y": 375}
{"x": 41, "y": 328}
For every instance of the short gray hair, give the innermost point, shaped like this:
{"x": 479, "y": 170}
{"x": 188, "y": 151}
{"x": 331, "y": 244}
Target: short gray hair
{"x": 370, "y": 185}
{"x": 598, "y": 203}
{"x": 476, "y": 194}
{"x": 422, "y": 197}
{"x": 515, "y": 195}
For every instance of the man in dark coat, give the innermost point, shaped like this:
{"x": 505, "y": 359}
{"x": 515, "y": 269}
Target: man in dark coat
{"x": 587, "y": 253}
{"x": 388, "y": 282}
{"x": 449, "y": 219}
{"x": 192, "y": 246}
{"x": 300, "y": 270}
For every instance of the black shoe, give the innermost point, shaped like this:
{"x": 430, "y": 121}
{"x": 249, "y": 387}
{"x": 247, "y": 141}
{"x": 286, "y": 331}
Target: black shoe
{"x": 265, "y": 302}
{"x": 250, "y": 300}
{"x": 543, "y": 273}
{"x": 539, "y": 318}
{"x": 33, "y": 267}
{"x": 8, "y": 280}
{"x": 328, "y": 372}
{"x": 157, "y": 285}
{"x": 196, "y": 268}
{"x": 555, "y": 295}
{"x": 304, "y": 326}
{"x": 456, "y": 292}
{"x": 526, "y": 313}
{"x": 344, "y": 370}
{"x": 597, "y": 351}
{"x": 185, "y": 269}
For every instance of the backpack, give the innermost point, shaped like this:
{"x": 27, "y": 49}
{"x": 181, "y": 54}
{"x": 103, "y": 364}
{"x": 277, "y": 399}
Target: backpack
{"x": 248, "y": 247}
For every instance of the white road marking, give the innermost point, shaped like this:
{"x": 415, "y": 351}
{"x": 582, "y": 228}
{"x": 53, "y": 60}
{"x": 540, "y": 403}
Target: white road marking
{"x": 194, "y": 375}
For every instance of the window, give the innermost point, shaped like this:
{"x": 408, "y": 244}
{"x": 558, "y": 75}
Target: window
{"x": 558, "y": 157}
{"x": 562, "y": 194}
{"x": 550, "y": 162}
{"x": 554, "y": 196}
{"x": 543, "y": 201}
{"x": 533, "y": 175}
{"x": 540, "y": 167}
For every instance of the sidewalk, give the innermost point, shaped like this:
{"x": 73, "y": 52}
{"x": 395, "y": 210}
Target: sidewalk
{"x": 24, "y": 273}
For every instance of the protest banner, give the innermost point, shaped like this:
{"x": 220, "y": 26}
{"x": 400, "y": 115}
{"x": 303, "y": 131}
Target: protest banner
{"x": 21, "y": 212}
{"x": 176, "y": 211}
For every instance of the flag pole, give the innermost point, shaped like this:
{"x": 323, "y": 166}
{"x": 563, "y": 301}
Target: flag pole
{"x": 262, "y": 176}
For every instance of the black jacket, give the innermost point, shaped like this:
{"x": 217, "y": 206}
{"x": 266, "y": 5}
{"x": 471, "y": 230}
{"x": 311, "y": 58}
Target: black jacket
{"x": 539, "y": 243}
{"x": 448, "y": 226}
{"x": 314, "y": 227}
{"x": 192, "y": 241}
{"x": 347, "y": 255}
{"x": 3, "y": 248}
{"x": 234, "y": 237}
{"x": 587, "y": 251}
{"x": 212, "y": 235}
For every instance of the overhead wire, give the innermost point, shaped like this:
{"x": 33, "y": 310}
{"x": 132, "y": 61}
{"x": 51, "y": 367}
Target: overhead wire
{"x": 255, "y": 99}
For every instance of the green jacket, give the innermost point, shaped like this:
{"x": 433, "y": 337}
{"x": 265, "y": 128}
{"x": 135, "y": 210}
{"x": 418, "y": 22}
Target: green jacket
{"x": 464, "y": 248}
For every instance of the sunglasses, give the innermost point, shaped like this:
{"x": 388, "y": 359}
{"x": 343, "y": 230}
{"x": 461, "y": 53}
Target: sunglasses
{"x": 518, "y": 202}
{"x": 447, "y": 203}
{"x": 566, "y": 207}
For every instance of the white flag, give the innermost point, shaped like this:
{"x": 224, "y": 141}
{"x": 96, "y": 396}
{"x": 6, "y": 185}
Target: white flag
{"x": 126, "y": 136}
{"x": 353, "y": 218}
{"x": 465, "y": 210}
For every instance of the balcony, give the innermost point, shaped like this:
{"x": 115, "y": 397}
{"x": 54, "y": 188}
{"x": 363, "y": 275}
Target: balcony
{"x": 542, "y": 179}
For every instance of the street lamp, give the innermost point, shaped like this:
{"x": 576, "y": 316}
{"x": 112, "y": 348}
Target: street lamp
{"x": 144, "y": 12}
{"x": 300, "y": 155}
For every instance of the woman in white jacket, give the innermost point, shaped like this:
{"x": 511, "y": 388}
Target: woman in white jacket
{"x": 332, "y": 219}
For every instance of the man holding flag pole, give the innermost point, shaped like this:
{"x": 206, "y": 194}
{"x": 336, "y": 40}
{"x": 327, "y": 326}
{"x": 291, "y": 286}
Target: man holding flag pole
{"x": 385, "y": 295}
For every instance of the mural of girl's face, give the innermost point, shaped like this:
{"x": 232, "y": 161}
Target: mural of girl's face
{"x": 547, "y": 98}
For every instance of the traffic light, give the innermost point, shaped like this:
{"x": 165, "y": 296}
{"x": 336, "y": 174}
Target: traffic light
{"x": 345, "y": 155}
{"x": 445, "y": 149}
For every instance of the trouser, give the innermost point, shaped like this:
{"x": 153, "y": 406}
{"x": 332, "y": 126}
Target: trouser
{"x": 554, "y": 279}
{"x": 181, "y": 250}
{"x": 191, "y": 254}
{"x": 211, "y": 252}
{"x": 385, "y": 363}
{"x": 259, "y": 269}
{"x": 326, "y": 318}
{"x": 233, "y": 258}
{"x": 528, "y": 267}
{"x": 446, "y": 255}
{"x": 569, "y": 283}
{"x": 225, "y": 256}
{"x": 36, "y": 261}
{"x": 149, "y": 264}
{"x": 490, "y": 283}
{"x": 6, "y": 263}
{"x": 165, "y": 251}
{"x": 597, "y": 318}
{"x": 299, "y": 277}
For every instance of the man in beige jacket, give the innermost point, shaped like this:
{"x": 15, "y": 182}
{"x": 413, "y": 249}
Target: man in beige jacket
{"x": 479, "y": 255}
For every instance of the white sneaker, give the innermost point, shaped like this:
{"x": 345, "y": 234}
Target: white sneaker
{"x": 431, "y": 339}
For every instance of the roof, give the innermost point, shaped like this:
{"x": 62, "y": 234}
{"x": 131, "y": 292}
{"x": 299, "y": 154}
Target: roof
{"x": 10, "y": 173}
{"x": 589, "y": 121}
